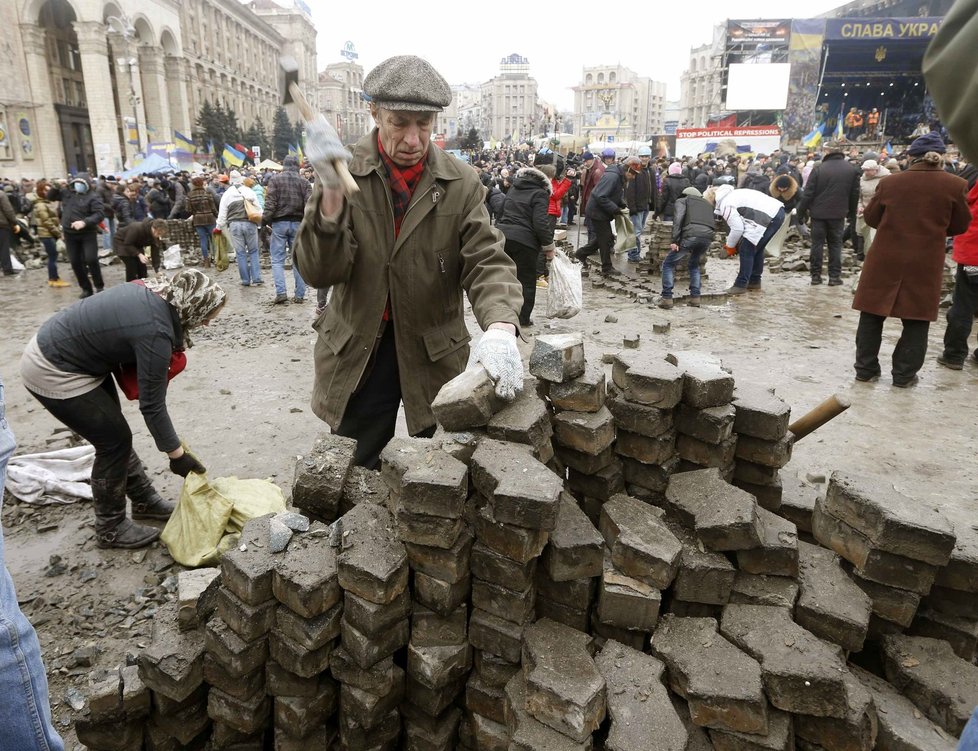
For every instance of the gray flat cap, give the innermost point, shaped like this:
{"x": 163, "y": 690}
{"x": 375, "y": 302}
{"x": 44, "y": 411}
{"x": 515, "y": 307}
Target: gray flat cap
{"x": 407, "y": 82}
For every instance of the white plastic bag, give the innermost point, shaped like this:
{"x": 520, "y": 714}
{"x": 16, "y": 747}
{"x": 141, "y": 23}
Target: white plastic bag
{"x": 171, "y": 258}
{"x": 565, "y": 295}
{"x": 624, "y": 233}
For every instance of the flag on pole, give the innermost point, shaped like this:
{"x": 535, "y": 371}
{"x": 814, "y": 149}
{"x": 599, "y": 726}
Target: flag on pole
{"x": 837, "y": 135}
{"x": 298, "y": 153}
{"x": 132, "y": 132}
{"x": 183, "y": 143}
{"x": 813, "y": 139}
{"x": 293, "y": 151}
{"x": 888, "y": 149}
{"x": 232, "y": 156}
{"x": 210, "y": 147}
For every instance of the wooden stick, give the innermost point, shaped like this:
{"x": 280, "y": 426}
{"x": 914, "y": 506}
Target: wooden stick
{"x": 309, "y": 114}
{"x": 831, "y": 408}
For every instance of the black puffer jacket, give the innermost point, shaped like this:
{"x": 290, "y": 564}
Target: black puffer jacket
{"x": 639, "y": 192}
{"x": 672, "y": 190}
{"x": 756, "y": 181}
{"x": 524, "y": 215}
{"x": 85, "y": 207}
{"x": 832, "y": 190}
{"x": 607, "y": 200}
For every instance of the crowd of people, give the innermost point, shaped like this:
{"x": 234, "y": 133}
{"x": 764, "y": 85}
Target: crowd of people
{"x": 254, "y": 211}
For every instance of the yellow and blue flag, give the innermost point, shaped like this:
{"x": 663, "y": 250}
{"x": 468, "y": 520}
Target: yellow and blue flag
{"x": 232, "y": 156}
{"x": 293, "y": 151}
{"x": 838, "y": 134}
{"x": 813, "y": 139}
{"x": 183, "y": 143}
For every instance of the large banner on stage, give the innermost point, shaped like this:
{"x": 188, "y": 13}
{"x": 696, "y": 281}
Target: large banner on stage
{"x": 882, "y": 29}
{"x": 755, "y": 31}
{"x": 756, "y": 139}
{"x": 805, "y": 56}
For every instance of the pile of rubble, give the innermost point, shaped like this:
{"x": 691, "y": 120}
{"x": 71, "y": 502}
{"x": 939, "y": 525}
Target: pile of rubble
{"x": 594, "y": 565}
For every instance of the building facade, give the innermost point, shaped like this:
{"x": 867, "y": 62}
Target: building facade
{"x": 700, "y": 84}
{"x": 341, "y": 101}
{"x": 89, "y": 83}
{"x": 614, "y": 103}
{"x": 509, "y": 102}
{"x": 463, "y": 114}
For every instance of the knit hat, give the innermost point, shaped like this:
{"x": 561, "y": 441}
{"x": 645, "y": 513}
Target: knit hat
{"x": 675, "y": 168}
{"x": 406, "y": 82}
{"x": 870, "y": 156}
{"x": 691, "y": 191}
{"x": 870, "y": 164}
{"x": 587, "y": 155}
{"x": 893, "y": 165}
{"x": 607, "y": 153}
{"x": 923, "y": 144}
{"x": 644, "y": 151}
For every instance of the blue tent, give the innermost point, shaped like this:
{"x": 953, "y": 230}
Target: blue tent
{"x": 152, "y": 163}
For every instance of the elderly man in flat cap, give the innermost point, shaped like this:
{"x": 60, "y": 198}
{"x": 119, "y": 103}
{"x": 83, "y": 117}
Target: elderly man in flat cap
{"x": 398, "y": 255}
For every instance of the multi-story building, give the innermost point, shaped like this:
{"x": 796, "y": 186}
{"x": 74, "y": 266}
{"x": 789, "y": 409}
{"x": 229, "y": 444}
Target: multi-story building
{"x": 509, "y": 102}
{"x": 613, "y": 103}
{"x": 700, "y": 83}
{"x": 462, "y": 114}
{"x": 340, "y": 100}
{"x": 78, "y": 75}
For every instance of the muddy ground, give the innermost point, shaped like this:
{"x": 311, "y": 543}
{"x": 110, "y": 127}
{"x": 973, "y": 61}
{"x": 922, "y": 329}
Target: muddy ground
{"x": 243, "y": 406}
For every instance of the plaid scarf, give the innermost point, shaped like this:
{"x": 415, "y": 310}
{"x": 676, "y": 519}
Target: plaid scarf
{"x": 402, "y": 182}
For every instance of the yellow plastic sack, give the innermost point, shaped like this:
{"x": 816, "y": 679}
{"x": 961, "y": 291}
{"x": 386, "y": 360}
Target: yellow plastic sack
{"x": 211, "y": 513}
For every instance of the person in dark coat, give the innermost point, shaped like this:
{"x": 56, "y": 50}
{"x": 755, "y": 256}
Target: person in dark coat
{"x": 81, "y": 213}
{"x": 131, "y": 241}
{"x": 639, "y": 196}
{"x": 831, "y": 196}
{"x": 693, "y": 228}
{"x": 68, "y": 367}
{"x": 525, "y": 224}
{"x": 605, "y": 202}
{"x": 913, "y": 213}
{"x": 672, "y": 190}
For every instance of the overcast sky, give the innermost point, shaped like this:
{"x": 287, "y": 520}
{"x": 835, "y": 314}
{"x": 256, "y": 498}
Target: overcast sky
{"x": 465, "y": 42}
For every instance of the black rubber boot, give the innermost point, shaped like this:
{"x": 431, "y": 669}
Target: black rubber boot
{"x": 146, "y": 502}
{"x": 112, "y": 528}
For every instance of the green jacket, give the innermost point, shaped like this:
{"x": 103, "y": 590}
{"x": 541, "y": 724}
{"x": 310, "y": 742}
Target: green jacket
{"x": 46, "y": 219}
{"x": 949, "y": 71}
{"x": 446, "y": 245}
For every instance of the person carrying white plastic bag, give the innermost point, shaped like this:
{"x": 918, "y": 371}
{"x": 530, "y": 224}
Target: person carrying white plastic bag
{"x": 565, "y": 295}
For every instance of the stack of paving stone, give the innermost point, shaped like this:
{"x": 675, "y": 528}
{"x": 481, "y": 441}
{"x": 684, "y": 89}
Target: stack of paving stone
{"x": 763, "y": 443}
{"x": 658, "y": 248}
{"x": 373, "y": 574}
{"x": 181, "y": 232}
{"x": 429, "y": 497}
{"x": 705, "y": 417}
{"x": 895, "y": 547}
{"x": 512, "y": 585}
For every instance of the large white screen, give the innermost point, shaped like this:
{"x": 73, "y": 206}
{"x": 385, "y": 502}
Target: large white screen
{"x": 758, "y": 87}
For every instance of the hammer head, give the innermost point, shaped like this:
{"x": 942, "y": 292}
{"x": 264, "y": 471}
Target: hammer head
{"x": 288, "y": 73}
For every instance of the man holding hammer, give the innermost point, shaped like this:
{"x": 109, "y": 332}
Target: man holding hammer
{"x": 398, "y": 249}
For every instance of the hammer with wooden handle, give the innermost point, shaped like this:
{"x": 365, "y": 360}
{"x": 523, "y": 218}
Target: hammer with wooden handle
{"x": 831, "y": 408}
{"x": 291, "y": 93}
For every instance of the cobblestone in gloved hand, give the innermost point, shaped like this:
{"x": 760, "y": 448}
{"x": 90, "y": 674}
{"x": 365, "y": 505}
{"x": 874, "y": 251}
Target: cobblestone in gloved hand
{"x": 499, "y": 355}
{"x": 185, "y": 464}
{"x": 323, "y": 147}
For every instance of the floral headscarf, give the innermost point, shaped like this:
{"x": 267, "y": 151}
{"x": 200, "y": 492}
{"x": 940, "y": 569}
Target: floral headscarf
{"x": 194, "y": 294}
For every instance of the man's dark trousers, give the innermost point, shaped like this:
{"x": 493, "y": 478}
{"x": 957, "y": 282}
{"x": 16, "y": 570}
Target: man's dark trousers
{"x": 908, "y": 355}
{"x": 371, "y": 413}
{"x": 830, "y": 230}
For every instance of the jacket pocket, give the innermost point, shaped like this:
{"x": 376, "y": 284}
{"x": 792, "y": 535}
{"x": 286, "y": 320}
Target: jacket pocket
{"x": 445, "y": 339}
{"x": 334, "y": 333}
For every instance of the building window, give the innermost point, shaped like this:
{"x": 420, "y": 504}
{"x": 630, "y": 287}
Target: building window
{"x": 588, "y": 79}
{"x": 611, "y": 77}
{"x": 600, "y": 77}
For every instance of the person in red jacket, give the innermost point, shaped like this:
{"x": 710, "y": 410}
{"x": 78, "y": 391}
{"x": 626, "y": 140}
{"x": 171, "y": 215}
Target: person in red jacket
{"x": 964, "y": 301}
{"x": 559, "y": 186}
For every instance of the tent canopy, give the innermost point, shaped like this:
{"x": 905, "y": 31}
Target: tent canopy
{"x": 269, "y": 164}
{"x": 152, "y": 163}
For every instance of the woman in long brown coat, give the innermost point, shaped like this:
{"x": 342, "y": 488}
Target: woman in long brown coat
{"x": 913, "y": 213}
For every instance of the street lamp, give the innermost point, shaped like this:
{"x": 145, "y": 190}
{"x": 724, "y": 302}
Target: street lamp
{"x": 122, "y": 27}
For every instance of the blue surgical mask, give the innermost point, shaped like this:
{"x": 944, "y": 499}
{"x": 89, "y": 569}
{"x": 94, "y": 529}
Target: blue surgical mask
{"x": 80, "y": 187}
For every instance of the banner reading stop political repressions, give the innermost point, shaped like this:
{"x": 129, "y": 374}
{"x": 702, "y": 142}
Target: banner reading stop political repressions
{"x": 757, "y": 139}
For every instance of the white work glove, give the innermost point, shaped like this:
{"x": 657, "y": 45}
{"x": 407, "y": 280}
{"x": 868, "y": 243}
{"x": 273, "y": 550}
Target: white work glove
{"x": 498, "y": 354}
{"x": 323, "y": 147}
